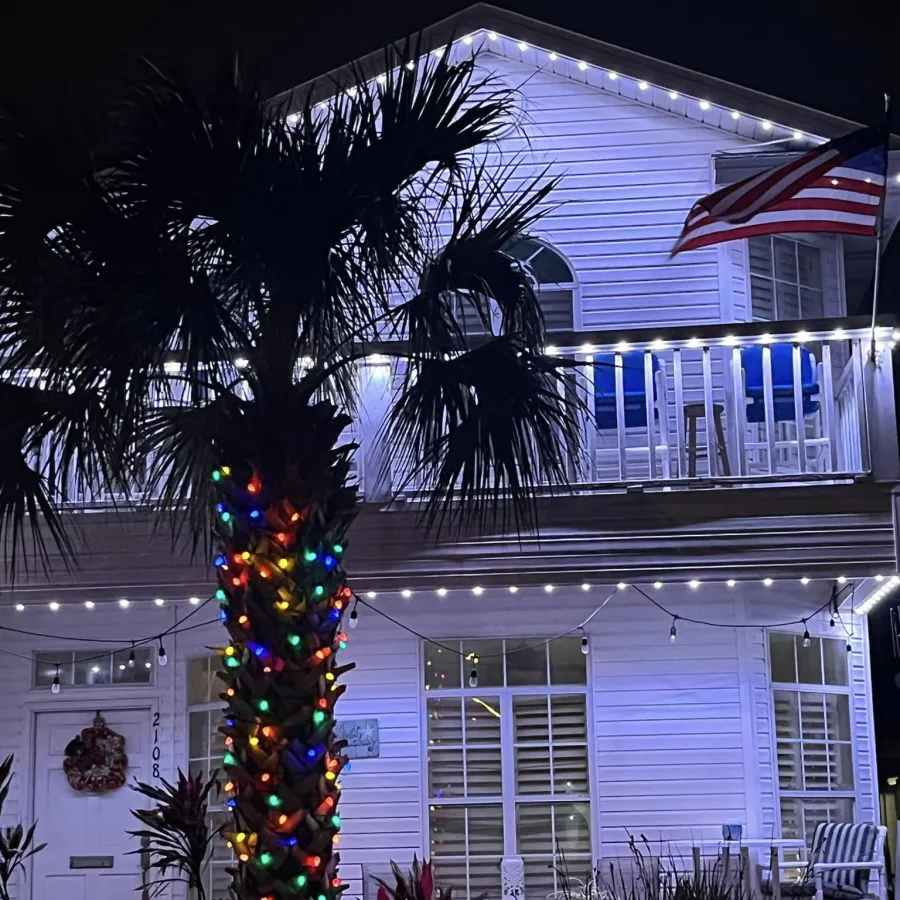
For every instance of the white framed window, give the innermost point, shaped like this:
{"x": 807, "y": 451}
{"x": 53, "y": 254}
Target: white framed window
{"x": 95, "y": 667}
{"x": 813, "y": 734}
{"x": 507, "y": 761}
{"x": 785, "y": 279}
{"x": 206, "y": 745}
{"x": 553, "y": 279}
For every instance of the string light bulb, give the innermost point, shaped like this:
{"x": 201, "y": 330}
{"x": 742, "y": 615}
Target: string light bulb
{"x": 131, "y": 658}
{"x": 161, "y": 657}
{"x": 673, "y": 631}
{"x": 354, "y": 615}
{"x": 55, "y": 686}
{"x": 473, "y": 678}
{"x": 807, "y": 640}
{"x": 585, "y": 649}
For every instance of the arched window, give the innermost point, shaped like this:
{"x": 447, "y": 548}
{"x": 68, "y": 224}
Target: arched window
{"x": 553, "y": 279}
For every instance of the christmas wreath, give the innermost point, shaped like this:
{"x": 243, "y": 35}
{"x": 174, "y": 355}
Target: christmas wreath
{"x": 95, "y": 759}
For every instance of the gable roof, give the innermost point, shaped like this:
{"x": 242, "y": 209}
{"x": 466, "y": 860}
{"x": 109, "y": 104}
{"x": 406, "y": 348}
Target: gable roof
{"x": 752, "y": 114}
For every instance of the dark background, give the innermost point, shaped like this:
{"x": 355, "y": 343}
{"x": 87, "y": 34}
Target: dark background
{"x": 69, "y": 62}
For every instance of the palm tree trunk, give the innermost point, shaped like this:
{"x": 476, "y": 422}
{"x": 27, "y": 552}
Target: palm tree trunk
{"x": 283, "y": 593}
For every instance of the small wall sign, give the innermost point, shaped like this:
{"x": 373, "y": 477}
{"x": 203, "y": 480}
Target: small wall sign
{"x": 361, "y": 736}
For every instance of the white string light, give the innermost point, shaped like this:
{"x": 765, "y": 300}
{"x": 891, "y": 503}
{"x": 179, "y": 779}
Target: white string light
{"x": 583, "y": 65}
{"x": 878, "y": 595}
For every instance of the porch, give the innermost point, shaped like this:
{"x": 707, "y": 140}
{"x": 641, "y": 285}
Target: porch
{"x": 724, "y": 405}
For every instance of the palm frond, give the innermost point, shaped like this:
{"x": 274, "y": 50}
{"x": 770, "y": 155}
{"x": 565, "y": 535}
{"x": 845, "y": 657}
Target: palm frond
{"x": 484, "y": 429}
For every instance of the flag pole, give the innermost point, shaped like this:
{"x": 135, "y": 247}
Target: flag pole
{"x": 879, "y": 236}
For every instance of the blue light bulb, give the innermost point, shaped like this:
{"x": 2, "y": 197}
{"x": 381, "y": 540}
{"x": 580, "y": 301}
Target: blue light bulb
{"x": 255, "y": 514}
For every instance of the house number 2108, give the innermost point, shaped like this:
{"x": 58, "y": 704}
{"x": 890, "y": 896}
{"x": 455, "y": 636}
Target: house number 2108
{"x": 156, "y": 753}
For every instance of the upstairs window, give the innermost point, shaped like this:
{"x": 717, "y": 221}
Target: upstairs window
{"x": 94, "y": 668}
{"x": 785, "y": 279}
{"x": 553, "y": 280}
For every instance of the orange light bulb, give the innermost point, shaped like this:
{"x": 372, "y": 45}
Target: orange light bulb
{"x": 229, "y": 692}
{"x": 264, "y": 573}
{"x": 244, "y": 857}
{"x": 282, "y": 819}
{"x": 268, "y": 731}
{"x": 229, "y": 786}
{"x": 295, "y": 517}
{"x": 243, "y": 620}
{"x": 236, "y": 582}
{"x": 265, "y": 776}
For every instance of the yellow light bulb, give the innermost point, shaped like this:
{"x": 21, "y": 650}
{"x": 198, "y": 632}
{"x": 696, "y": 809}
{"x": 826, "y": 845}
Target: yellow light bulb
{"x": 245, "y": 555}
{"x": 226, "y": 470}
{"x": 329, "y": 676}
{"x": 229, "y": 651}
{"x": 240, "y": 837}
{"x": 254, "y": 741}
{"x": 330, "y": 776}
{"x": 283, "y": 604}
{"x": 283, "y": 563}
{"x": 336, "y": 839}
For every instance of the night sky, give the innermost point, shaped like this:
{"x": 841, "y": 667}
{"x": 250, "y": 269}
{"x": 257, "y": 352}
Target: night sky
{"x": 70, "y": 61}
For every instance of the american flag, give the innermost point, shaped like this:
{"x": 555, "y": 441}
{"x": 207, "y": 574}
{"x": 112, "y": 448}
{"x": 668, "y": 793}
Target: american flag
{"x": 835, "y": 187}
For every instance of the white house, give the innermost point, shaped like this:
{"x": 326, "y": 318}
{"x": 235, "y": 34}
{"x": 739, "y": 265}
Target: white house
{"x": 716, "y": 561}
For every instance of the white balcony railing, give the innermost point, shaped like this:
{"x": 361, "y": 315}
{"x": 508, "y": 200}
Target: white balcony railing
{"x": 726, "y": 404}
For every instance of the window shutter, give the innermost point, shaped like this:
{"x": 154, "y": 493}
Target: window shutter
{"x": 557, "y": 308}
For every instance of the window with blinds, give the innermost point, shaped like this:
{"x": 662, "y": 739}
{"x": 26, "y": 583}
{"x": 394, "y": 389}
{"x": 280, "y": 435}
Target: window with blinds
{"x": 507, "y": 761}
{"x": 785, "y": 279}
{"x": 813, "y": 738}
{"x": 205, "y": 749}
{"x": 554, "y": 281}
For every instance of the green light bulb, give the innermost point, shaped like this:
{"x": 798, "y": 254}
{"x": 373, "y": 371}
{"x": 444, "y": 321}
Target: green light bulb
{"x": 336, "y": 821}
{"x": 318, "y": 717}
{"x": 232, "y": 662}
{"x": 319, "y": 590}
{"x": 221, "y": 595}
{"x": 226, "y": 516}
{"x": 300, "y": 881}
{"x": 216, "y": 475}
{"x": 309, "y": 555}
{"x": 263, "y": 705}
{"x": 229, "y": 759}
{"x": 265, "y": 859}
{"x": 321, "y": 897}
{"x": 274, "y": 800}
{"x": 338, "y": 548}
{"x": 342, "y": 645}
{"x": 293, "y": 639}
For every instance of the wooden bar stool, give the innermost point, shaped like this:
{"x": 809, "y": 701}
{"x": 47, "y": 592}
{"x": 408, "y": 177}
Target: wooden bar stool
{"x": 693, "y": 412}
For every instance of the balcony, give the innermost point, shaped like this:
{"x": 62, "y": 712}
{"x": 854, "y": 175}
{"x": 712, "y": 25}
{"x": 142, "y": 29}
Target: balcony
{"x": 721, "y": 406}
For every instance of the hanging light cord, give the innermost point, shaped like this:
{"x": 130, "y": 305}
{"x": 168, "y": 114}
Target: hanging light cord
{"x": 177, "y": 628}
{"x": 693, "y": 621}
{"x": 435, "y": 643}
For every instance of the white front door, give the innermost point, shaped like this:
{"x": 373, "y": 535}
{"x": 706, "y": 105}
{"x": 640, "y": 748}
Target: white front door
{"x": 77, "y": 825}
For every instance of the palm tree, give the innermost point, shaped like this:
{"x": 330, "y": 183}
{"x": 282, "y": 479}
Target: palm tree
{"x": 190, "y": 313}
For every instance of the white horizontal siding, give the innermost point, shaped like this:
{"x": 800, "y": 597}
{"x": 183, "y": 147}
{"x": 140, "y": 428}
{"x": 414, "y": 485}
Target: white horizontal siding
{"x": 628, "y": 173}
{"x": 680, "y": 732}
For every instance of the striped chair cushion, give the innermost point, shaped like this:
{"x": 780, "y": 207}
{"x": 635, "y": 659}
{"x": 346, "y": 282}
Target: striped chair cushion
{"x": 835, "y": 842}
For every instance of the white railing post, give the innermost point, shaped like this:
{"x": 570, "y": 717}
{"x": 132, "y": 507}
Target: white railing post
{"x": 678, "y": 378}
{"x": 769, "y": 400}
{"x": 709, "y": 414}
{"x": 799, "y": 418}
{"x": 829, "y": 422}
{"x": 620, "y": 416}
{"x": 375, "y": 392}
{"x": 649, "y": 407}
